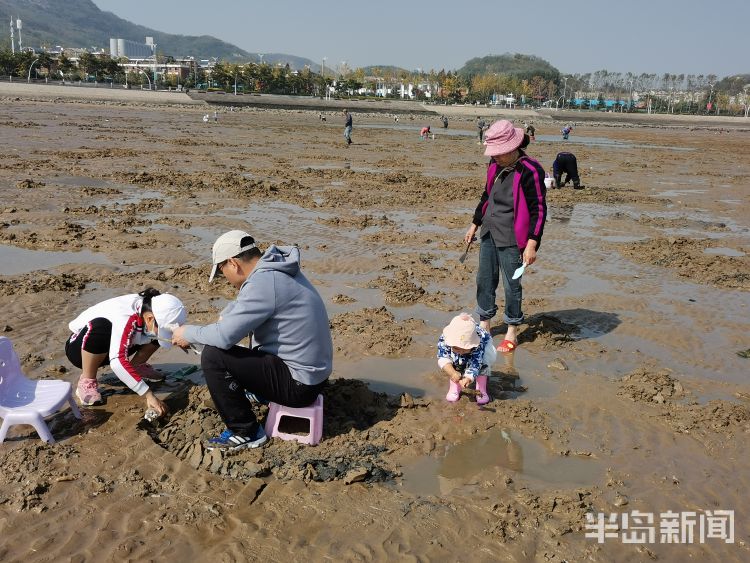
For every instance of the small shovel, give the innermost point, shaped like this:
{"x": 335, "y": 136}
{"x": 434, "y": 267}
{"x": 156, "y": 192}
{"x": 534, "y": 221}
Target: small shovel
{"x": 462, "y": 259}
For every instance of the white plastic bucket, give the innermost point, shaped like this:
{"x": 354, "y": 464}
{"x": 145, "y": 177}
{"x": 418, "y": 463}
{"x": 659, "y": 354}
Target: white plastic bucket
{"x": 549, "y": 183}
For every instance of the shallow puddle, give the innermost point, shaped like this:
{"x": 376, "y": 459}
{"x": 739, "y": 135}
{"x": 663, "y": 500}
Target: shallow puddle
{"x": 607, "y": 142}
{"x": 392, "y": 375}
{"x": 678, "y": 193}
{"x": 21, "y": 260}
{"x": 464, "y": 464}
{"x": 345, "y": 166}
{"x": 417, "y": 128}
{"x": 724, "y": 251}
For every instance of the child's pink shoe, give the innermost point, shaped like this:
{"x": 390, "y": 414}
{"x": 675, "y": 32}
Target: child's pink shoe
{"x": 483, "y": 398}
{"x": 454, "y": 392}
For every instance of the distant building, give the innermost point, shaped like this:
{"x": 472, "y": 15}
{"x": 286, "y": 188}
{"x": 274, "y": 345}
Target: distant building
{"x": 119, "y": 48}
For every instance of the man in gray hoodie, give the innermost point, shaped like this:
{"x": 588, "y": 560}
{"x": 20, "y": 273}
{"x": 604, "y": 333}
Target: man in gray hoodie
{"x": 292, "y": 352}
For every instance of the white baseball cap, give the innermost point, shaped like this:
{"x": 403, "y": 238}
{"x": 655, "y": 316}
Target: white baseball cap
{"x": 169, "y": 313}
{"x": 228, "y": 246}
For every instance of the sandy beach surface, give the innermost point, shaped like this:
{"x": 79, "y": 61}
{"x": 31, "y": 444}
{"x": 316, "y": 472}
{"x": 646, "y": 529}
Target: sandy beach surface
{"x": 627, "y": 392}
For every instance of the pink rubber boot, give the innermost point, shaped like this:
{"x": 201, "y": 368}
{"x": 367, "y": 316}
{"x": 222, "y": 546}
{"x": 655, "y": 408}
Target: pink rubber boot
{"x": 483, "y": 398}
{"x": 454, "y": 392}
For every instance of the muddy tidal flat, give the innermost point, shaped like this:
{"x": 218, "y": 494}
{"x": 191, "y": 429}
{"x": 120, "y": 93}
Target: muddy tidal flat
{"x": 629, "y": 390}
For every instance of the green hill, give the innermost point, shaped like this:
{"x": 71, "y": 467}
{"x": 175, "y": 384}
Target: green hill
{"x": 80, "y": 23}
{"x": 383, "y": 70}
{"x": 514, "y": 64}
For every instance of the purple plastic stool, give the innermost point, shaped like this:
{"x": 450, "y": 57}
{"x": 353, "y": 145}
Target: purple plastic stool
{"x": 313, "y": 413}
{"x": 26, "y": 401}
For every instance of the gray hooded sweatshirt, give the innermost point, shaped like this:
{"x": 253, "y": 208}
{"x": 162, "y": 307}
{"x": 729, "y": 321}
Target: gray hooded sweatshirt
{"x": 283, "y": 311}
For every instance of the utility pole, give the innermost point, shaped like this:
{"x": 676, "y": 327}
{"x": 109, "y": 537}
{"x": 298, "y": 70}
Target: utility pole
{"x": 565, "y": 89}
{"x": 323, "y": 78}
{"x": 20, "y": 43}
{"x": 630, "y": 101}
{"x": 12, "y": 38}
{"x": 150, "y": 42}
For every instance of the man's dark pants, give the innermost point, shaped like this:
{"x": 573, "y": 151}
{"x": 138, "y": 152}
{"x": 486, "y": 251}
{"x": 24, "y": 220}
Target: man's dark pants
{"x": 229, "y": 373}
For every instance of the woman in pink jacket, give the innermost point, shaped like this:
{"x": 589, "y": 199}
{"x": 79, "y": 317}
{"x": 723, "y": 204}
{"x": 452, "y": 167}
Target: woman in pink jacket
{"x": 511, "y": 213}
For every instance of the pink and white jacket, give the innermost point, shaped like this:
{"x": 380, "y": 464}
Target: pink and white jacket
{"x": 128, "y": 329}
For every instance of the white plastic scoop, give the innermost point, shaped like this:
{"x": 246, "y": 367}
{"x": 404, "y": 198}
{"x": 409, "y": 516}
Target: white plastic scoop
{"x": 519, "y": 271}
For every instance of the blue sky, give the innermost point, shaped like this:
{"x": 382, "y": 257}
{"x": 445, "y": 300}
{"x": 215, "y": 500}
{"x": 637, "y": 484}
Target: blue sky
{"x": 677, "y": 36}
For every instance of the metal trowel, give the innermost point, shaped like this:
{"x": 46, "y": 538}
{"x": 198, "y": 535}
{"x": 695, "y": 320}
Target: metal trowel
{"x": 462, "y": 259}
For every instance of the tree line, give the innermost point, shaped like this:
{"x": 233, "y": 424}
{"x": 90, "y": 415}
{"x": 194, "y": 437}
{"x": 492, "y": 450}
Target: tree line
{"x": 670, "y": 93}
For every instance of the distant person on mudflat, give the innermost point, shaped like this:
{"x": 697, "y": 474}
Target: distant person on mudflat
{"x": 530, "y": 131}
{"x": 425, "y": 132}
{"x": 566, "y": 163}
{"x": 347, "y": 127}
{"x": 512, "y": 212}
{"x": 481, "y": 126}
{"x": 445, "y": 122}
{"x": 566, "y": 131}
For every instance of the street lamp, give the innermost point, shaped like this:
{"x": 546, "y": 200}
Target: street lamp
{"x": 565, "y": 89}
{"x": 28, "y": 78}
{"x": 710, "y": 96}
{"x": 144, "y": 74}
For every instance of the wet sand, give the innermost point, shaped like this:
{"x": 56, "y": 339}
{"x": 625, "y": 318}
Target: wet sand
{"x": 626, "y": 393}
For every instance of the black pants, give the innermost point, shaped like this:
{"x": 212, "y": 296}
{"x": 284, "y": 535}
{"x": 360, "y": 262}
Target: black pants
{"x": 229, "y": 373}
{"x": 93, "y": 338}
{"x": 567, "y": 164}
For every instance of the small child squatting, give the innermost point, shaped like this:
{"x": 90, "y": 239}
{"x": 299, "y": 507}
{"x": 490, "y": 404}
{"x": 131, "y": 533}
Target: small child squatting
{"x": 465, "y": 353}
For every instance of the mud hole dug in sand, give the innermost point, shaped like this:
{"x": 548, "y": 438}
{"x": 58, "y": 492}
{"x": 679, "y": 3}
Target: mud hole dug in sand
{"x": 359, "y": 427}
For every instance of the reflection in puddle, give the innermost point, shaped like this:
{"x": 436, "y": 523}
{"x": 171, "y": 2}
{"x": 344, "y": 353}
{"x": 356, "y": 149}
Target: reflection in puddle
{"x": 724, "y": 251}
{"x": 463, "y": 463}
{"x": 21, "y": 260}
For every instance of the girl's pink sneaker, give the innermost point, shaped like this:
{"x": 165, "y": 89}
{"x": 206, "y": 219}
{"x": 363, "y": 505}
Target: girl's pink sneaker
{"x": 87, "y": 392}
